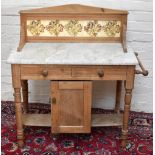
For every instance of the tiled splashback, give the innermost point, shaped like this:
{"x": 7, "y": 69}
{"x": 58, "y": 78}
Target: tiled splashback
{"x": 74, "y": 28}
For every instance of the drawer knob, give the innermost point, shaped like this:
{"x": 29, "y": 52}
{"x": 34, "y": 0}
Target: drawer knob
{"x": 100, "y": 73}
{"x": 53, "y": 100}
{"x": 44, "y": 73}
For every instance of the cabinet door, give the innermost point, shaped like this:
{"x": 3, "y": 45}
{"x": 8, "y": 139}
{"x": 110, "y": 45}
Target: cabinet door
{"x": 71, "y": 106}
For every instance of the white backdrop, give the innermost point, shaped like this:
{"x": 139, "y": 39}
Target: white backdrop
{"x": 139, "y": 36}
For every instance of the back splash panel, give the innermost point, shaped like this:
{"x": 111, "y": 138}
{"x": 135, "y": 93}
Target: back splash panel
{"x": 74, "y": 28}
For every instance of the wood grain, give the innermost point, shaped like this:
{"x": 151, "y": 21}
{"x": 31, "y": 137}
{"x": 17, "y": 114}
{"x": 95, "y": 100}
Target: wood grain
{"x": 71, "y": 72}
{"x": 110, "y": 72}
{"x": 16, "y": 82}
{"x": 72, "y": 9}
{"x": 118, "y": 96}
{"x": 65, "y": 12}
{"x": 99, "y": 120}
{"x": 55, "y": 107}
{"x": 37, "y": 120}
{"x": 129, "y": 84}
{"x": 35, "y": 72}
{"x": 73, "y": 107}
{"x": 24, "y": 84}
{"x": 71, "y": 85}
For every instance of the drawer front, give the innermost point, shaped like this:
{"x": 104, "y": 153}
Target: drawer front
{"x": 100, "y": 73}
{"x": 43, "y": 72}
{"x": 59, "y": 72}
{"x": 32, "y": 71}
{"x": 51, "y": 72}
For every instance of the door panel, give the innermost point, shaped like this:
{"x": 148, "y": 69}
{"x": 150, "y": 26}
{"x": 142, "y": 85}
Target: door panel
{"x": 72, "y": 111}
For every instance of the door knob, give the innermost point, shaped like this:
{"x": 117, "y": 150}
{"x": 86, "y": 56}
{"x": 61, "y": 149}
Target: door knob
{"x": 53, "y": 100}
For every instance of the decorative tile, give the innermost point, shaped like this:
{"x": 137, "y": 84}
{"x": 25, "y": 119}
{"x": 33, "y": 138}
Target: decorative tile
{"x": 54, "y": 27}
{"x": 93, "y": 28}
{"x": 73, "y": 28}
{"x": 111, "y": 28}
{"x": 35, "y": 27}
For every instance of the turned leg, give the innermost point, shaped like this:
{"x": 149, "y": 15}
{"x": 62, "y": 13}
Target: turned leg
{"x": 128, "y": 95}
{"x": 118, "y": 96}
{"x": 129, "y": 83}
{"x": 25, "y": 95}
{"x": 16, "y": 82}
{"x": 18, "y": 109}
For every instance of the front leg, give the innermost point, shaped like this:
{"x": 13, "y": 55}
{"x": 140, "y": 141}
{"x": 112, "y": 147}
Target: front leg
{"x": 19, "y": 123}
{"x": 16, "y": 82}
{"x": 129, "y": 83}
{"x": 128, "y": 95}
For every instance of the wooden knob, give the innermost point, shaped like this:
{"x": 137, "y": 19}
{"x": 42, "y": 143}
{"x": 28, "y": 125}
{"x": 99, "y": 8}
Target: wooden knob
{"x": 44, "y": 73}
{"x": 100, "y": 73}
{"x": 145, "y": 73}
{"x": 53, "y": 100}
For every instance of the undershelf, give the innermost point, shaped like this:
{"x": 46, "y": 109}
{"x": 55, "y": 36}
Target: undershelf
{"x": 37, "y": 119}
{"x": 97, "y": 120}
{"x": 106, "y": 120}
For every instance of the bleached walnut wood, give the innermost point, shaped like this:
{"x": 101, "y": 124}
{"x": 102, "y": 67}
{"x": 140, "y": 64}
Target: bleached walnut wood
{"x": 73, "y": 9}
{"x": 37, "y": 119}
{"x": 129, "y": 84}
{"x": 35, "y": 72}
{"x": 66, "y": 12}
{"x": 24, "y": 84}
{"x": 99, "y": 120}
{"x": 124, "y": 38}
{"x": 16, "y": 82}
{"x": 71, "y": 106}
{"x": 72, "y": 72}
{"x": 22, "y": 35}
{"x": 144, "y": 71}
{"x": 109, "y": 72}
{"x": 118, "y": 96}
{"x": 71, "y": 85}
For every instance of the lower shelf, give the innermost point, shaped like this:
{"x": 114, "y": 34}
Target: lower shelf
{"x": 98, "y": 120}
{"x": 37, "y": 119}
{"x": 107, "y": 120}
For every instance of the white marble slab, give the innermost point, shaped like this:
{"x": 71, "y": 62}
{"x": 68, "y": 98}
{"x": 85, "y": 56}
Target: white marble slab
{"x": 73, "y": 54}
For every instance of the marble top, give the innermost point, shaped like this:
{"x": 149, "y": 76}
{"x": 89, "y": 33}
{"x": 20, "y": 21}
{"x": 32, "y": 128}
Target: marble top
{"x": 73, "y": 54}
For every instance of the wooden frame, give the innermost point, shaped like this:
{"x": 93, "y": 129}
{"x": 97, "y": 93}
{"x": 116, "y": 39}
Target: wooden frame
{"x": 20, "y": 73}
{"x": 65, "y": 12}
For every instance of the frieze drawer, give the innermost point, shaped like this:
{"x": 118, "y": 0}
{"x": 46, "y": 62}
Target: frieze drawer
{"x": 53, "y": 72}
{"x": 61, "y": 72}
{"x": 100, "y": 73}
{"x": 44, "y": 72}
